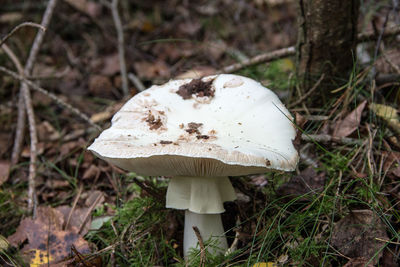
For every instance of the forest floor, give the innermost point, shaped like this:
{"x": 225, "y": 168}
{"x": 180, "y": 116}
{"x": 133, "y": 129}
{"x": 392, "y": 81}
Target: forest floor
{"x": 339, "y": 208}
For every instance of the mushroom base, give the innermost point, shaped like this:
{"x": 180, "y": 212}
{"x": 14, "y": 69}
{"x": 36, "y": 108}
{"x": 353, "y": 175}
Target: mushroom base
{"x": 210, "y": 228}
{"x": 202, "y": 194}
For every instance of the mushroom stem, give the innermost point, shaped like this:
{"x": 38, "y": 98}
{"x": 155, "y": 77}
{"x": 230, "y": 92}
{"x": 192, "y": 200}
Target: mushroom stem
{"x": 210, "y": 226}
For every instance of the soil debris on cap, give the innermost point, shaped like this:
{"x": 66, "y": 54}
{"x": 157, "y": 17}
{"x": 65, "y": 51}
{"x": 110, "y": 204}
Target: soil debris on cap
{"x": 193, "y": 127}
{"x": 153, "y": 122}
{"x": 197, "y": 87}
{"x": 202, "y": 136}
{"x": 165, "y": 142}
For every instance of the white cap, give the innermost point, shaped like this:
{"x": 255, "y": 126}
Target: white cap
{"x": 242, "y": 128}
{"x": 223, "y": 125}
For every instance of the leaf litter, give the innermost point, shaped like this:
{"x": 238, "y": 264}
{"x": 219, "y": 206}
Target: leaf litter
{"x": 45, "y": 239}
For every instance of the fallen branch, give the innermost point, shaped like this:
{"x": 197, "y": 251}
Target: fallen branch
{"x": 25, "y": 104}
{"x": 52, "y": 96}
{"x": 121, "y": 49}
{"x": 24, "y": 24}
{"x": 291, "y": 51}
{"x": 262, "y": 58}
{"x": 325, "y": 138}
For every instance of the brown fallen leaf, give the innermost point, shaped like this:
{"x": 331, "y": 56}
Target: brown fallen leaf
{"x": 46, "y": 132}
{"x": 94, "y": 196}
{"x": 78, "y": 218}
{"x": 4, "y": 171}
{"x": 90, "y": 8}
{"x": 100, "y": 85}
{"x": 358, "y": 262}
{"x": 197, "y": 72}
{"x": 151, "y": 70}
{"x": 92, "y": 172}
{"x": 110, "y": 65}
{"x": 356, "y": 235}
{"x": 308, "y": 181}
{"x": 350, "y": 123}
{"x": 45, "y": 237}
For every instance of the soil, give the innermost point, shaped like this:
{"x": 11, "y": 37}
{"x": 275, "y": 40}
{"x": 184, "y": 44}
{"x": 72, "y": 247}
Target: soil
{"x": 153, "y": 122}
{"x": 193, "y": 127}
{"x": 196, "y": 87}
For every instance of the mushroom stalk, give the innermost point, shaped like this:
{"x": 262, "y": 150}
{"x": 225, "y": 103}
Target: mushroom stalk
{"x": 210, "y": 228}
{"x": 202, "y": 198}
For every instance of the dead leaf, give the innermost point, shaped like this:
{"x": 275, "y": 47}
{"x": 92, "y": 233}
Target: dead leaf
{"x": 309, "y": 181}
{"x": 259, "y": 180}
{"x": 26, "y": 151}
{"x": 4, "y": 171}
{"x": 100, "y": 85}
{"x": 44, "y": 235}
{"x": 350, "y": 123}
{"x": 383, "y": 66}
{"x": 389, "y": 258}
{"x": 215, "y": 49}
{"x": 358, "y": 262}
{"x": 90, "y": 8}
{"x": 11, "y": 17}
{"x": 78, "y": 218}
{"x": 110, "y": 65}
{"x": 46, "y": 132}
{"x": 56, "y": 184}
{"x": 355, "y": 235}
{"x": 149, "y": 70}
{"x": 92, "y": 172}
{"x": 92, "y": 196}
{"x": 197, "y": 72}
{"x": 174, "y": 51}
{"x": 5, "y": 142}
{"x": 388, "y": 114}
{"x": 190, "y": 27}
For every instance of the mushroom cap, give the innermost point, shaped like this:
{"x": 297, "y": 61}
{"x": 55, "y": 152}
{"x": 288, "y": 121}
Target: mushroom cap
{"x": 222, "y": 125}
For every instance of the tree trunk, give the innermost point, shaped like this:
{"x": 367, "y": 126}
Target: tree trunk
{"x": 326, "y": 42}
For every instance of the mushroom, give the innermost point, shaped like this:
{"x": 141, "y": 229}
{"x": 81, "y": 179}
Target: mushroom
{"x": 199, "y": 132}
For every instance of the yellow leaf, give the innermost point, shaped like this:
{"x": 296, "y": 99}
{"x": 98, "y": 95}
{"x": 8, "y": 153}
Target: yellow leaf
{"x": 286, "y": 64}
{"x": 40, "y": 257}
{"x": 388, "y": 114}
{"x": 265, "y": 264}
{"x": 3, "y": 243}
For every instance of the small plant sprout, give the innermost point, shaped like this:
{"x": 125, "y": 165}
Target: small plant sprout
{"x": 199, "y": 132}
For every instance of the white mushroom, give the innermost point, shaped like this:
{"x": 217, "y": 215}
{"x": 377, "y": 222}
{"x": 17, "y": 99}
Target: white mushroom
{"x": 200, "y": 132}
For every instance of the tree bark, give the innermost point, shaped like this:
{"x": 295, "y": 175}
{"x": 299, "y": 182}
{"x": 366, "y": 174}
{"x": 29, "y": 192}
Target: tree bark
{"x": 326, "y": 42}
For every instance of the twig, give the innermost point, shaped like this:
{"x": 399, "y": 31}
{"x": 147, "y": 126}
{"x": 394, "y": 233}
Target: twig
{"x": 32, "y": 200}
{"x": 380, "y": 36}
{"x": 202, "y": 248}
{"x": 88, "y": 213}
{"x": 149, "y": 190}
{"x": 78, "y": 195}
{"x": 290, "y": 51}
{"x": 266, "y": 57}
{"x": 325, "y": 138}
{"x": 121, "y": 48}
{"x": 24, "y": 102}
{"x": 136, "y": 82}
{"x": 51, "y": 96}
{"x": 24, "y": 24}
{"x": 235, "y": 242}
{"x": 308, "y": 93}
{"x": 387, "y": 241}
{"x": 371, "y": 36}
